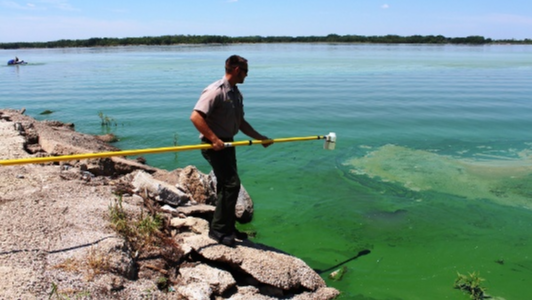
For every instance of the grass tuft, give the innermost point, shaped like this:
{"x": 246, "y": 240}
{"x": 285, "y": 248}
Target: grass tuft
{"x": 471, "y": 283}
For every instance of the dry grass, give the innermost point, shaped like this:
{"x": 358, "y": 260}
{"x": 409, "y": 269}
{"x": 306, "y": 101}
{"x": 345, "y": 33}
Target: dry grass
{"x": 141, "y": 232}
{"x": 95, "y": 263}
{"x": 149, "y": 237}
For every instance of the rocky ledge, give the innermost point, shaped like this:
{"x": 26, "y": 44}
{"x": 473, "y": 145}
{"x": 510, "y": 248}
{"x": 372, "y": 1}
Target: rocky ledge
{"x": 114, "y": 228}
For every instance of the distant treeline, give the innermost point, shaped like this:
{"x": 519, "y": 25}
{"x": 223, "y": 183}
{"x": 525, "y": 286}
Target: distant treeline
{"x": 216, "y": 39}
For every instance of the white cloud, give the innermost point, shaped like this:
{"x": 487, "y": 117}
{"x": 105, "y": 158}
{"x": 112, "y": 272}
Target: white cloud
{"x": 385, "y": 6}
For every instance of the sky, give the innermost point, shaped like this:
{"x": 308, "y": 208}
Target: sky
{"x": 51, "y": 20}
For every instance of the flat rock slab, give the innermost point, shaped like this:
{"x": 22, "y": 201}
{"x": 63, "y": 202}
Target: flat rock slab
{"x": 219, "y": 281}
{"x": 266, "y": 266}
{"x": 167, "y": 193}
{"x": 196, "y": 209}
{"x": 11, "y": 146}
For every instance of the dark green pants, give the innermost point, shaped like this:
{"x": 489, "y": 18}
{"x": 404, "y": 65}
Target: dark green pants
{"x": 224, "y": 163}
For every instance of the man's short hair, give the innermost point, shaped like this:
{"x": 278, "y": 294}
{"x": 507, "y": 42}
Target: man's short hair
{"x": 235, "y": 61}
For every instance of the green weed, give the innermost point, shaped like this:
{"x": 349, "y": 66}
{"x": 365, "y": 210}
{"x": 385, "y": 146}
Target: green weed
{"x": 106, "y": 121}
{"x": 471, "y": 283}
{"x": 141, "y": 232}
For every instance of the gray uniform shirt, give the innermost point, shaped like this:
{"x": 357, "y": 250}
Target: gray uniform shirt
{"x": 223, "y": 108}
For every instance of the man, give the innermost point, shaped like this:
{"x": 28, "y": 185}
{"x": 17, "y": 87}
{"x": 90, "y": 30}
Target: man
{"x": 218, "y": 116}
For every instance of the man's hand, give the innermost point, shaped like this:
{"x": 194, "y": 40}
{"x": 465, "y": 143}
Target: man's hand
{"x": 266, "y": 141}
{"x": 218, "y": 144}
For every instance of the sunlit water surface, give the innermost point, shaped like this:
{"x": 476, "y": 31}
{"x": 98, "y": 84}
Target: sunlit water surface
{"x": 431, "y": 173}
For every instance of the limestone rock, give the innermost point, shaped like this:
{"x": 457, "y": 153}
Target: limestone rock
{"x": 196, "y": 209}
{"x": 125, "y": 166}
{"x": 250, "y": 292}
{"x": 111, "y": 283}
{"x": 55, "y": 138}
{"x": 166, "y": 192}
{"x": 199, "y": 185}
{"x": 196, "y": 291}
{"x": 190, "y": 180}
{"x": 116, "y": 252}
{"x": 244, "y": 209}
{"x": 61, "y": 141}
{"x": 270, "y": 267}
{"x": 107, "y": 138}
{"x": 218, "y": 280}
{"x": 196, "y": 225}
{"x": 322, "y": 293}
{"x": 201, "y": 188}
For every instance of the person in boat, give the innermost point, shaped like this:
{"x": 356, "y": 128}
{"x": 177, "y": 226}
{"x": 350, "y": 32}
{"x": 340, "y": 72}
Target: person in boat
{"x": 15, "y": 61}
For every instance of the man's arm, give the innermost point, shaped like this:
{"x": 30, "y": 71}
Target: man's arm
{"x": 198, "y": 120}
{"x": 247, "y": 129}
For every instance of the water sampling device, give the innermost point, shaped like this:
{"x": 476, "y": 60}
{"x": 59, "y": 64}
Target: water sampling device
{"x": 329, "y": 144}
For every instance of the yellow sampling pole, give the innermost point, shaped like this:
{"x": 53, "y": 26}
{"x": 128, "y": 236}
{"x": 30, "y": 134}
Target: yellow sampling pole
{"x": 36, "y": 160}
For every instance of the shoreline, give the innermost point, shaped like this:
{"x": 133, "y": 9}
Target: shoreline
{"x": 57, "y": 237}
{"x": 166, "y": 40}
{"x": 278, "y": 43}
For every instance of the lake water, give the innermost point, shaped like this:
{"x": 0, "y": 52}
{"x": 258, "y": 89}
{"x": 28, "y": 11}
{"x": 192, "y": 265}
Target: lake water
{"x": 431, "y": 173}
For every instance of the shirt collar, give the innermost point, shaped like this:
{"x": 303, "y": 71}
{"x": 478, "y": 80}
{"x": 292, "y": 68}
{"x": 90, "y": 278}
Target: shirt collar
{"x": 226, "y": 83}
{"x": 228, "y": 86}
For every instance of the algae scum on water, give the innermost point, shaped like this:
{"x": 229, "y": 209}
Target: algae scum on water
{"x": 432, "y": 211}
{"x": 501, "y": 176}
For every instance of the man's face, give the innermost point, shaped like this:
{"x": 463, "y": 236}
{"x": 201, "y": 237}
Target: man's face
{"x": 242, "y": 72}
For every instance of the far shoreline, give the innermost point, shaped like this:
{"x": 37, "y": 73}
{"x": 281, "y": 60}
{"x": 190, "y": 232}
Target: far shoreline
{"x": 236, "y": 44}
{"x": 194, "y": 40}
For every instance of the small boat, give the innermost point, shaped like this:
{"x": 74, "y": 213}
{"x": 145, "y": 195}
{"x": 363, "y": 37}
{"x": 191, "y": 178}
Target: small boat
{"x": 16, "y": 61}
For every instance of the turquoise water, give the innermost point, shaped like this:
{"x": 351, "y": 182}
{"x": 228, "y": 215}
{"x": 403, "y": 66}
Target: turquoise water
{"x": 432, "y": 170}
